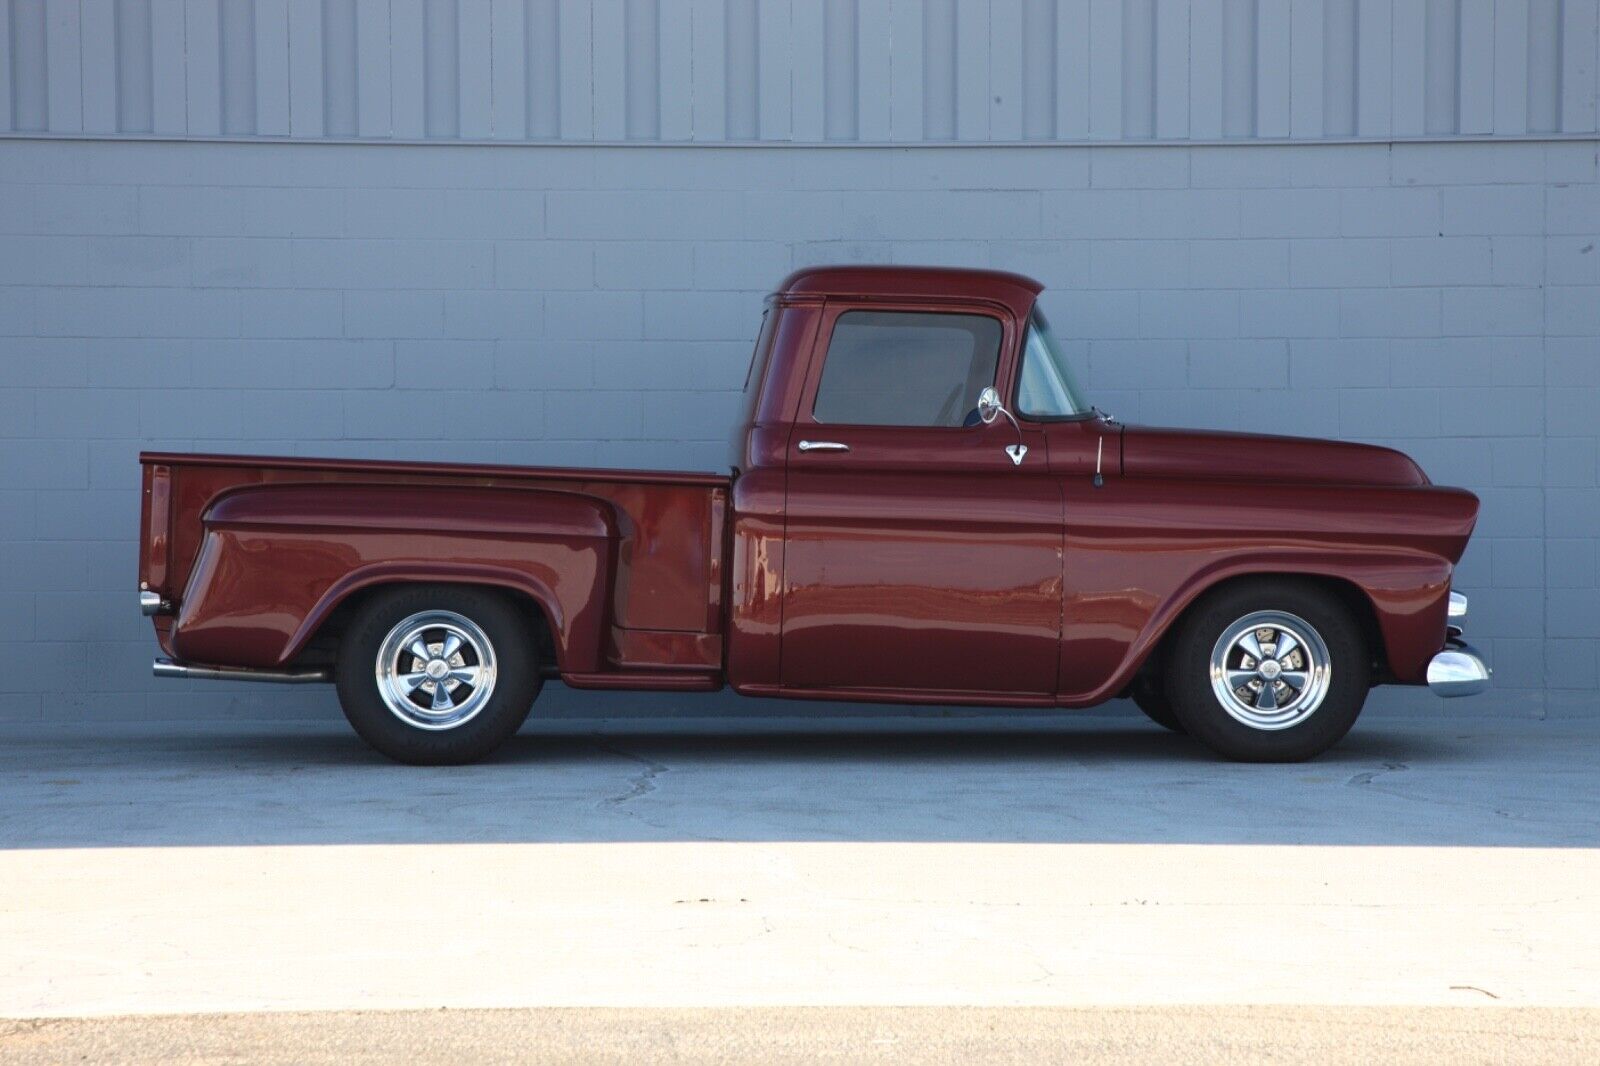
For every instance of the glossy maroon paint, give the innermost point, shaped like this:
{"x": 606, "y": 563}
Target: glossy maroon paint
{"x": 920, "y": 566}
{"x": 922, "y": 559}
{"x": 276, "y": 555}
{"x": 1219, "y": 456}
{"x": 1012, "y": 294}
{"x": 662, "y": 578}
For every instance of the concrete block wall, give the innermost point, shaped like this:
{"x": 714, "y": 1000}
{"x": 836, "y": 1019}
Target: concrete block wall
{"x": 596, "y": 305}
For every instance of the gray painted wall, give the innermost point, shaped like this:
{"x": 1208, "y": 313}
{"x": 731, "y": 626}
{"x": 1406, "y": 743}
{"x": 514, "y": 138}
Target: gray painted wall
{"x": 799, "y": 70}
{"x": 580, "y": 304}
{"x": 196, "y": 249}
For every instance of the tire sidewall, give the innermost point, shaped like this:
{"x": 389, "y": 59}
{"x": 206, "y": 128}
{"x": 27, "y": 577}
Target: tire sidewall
{"x": 517, "y": 678}
{"x": 1150, "y": 697}
{"x": 1196, "y": 705}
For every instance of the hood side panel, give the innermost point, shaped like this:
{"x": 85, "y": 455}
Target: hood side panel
{"x": 1212, "y": 454}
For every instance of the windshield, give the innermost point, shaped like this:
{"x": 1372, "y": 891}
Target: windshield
{"x": 1048, "y": 388}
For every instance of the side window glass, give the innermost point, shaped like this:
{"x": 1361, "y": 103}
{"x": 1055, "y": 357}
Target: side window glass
{"x": 897, "y": 368}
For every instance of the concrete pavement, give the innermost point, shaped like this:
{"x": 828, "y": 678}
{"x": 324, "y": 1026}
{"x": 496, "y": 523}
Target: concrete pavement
{"x": 165, "y": 867}
{"x": 1316, "y": 1036}
{"x": 1071, "y": 779}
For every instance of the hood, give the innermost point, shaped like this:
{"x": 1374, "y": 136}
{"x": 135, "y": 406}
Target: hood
{"x": 1213, "y": 454}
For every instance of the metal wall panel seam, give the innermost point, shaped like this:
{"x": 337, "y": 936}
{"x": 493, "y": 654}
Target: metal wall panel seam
{"x": 272, "y": 67}
{"x": 7, "y": 72}
{"x": 854, "y": 71}
{"x": 1542, "y": 137}
{"x": 99, "y": 67}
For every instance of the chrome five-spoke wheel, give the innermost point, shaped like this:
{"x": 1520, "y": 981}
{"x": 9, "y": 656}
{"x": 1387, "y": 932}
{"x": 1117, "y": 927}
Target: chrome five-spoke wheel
{"x": 1251, "y": 670}
{"x": 1270, "y": 670}
{"x": 437, "y": 674}
{"x": 436, "y": 670}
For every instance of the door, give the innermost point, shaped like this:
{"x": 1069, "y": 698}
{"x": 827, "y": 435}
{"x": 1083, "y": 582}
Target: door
{"x": 921, "y": 561}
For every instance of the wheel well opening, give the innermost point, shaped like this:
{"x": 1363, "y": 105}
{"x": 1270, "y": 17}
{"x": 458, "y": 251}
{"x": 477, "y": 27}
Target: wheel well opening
{"x": 322, "y": 649}
{"x": 1348, "y": 594}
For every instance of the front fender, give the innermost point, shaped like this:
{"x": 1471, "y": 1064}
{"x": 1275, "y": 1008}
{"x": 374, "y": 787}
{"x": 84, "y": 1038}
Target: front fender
{"x": 1141, "y": 551}
{"x": 1405, "y": 592}
{"x": 275, "y": 560}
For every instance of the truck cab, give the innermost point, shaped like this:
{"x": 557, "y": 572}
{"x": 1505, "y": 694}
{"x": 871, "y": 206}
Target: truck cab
{"x": 921, "y": 506}
{"x": 923, "y": 547}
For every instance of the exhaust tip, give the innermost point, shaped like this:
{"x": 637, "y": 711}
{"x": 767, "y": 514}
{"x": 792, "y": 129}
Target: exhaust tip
{"x": 168, "y": 668}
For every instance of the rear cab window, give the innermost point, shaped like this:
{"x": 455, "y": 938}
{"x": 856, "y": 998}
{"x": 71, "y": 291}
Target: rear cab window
{"x": 758, "y": 364}
{"x": 904, "y": 368}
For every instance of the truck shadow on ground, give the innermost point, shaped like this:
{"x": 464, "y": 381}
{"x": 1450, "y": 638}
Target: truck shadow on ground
{"x": 1105, "y": 781}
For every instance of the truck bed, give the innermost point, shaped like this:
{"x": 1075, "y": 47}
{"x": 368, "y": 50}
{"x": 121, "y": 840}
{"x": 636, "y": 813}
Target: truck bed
{"x": 665, "y": 603}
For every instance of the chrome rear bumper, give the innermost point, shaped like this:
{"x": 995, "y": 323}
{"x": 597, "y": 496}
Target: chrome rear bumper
{"x": 1458, "y": 671}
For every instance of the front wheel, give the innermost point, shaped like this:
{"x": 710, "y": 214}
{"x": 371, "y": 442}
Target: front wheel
{"x": 1151, "y": 698}
{"x": 1269, "y": 671}
{"x": 437, "y": 674}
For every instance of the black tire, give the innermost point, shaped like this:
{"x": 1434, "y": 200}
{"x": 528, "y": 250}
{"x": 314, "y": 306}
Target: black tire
{"x": 513, "y": 677}
{"x": 1149, "y": 696}
{"x": 1201, "y": 708}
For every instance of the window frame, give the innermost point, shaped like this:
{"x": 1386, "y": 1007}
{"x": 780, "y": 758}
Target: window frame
{"x": 833, "y": 310}
{"x": 1013, "y": 400}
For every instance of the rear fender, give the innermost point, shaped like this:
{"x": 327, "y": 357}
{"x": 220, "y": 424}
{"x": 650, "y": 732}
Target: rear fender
{"x": 276, "y": 560}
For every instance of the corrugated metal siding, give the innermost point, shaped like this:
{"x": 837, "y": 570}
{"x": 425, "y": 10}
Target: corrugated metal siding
{"x": 799, "y": 70}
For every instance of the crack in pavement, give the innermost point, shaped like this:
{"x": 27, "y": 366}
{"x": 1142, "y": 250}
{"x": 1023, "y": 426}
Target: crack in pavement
{"x": 1473, "y": 988}
{"x": 1366, "y": 778}
{"x": 642, "y": 784}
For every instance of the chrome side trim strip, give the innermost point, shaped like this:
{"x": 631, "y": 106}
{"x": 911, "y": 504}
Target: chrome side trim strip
{"x": 1458, "y": 607}
{"x": 168, "y": 668}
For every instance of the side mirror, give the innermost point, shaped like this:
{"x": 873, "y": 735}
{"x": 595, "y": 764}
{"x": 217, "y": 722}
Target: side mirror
{"x": 989, "y": 405}
{"x": 989, "y": 409}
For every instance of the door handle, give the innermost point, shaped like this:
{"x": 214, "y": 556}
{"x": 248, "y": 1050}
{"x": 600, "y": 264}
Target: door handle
{"x": 823, "y": 446}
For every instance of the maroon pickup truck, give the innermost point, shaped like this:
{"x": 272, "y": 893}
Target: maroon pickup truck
{"x": 921, "y": 507}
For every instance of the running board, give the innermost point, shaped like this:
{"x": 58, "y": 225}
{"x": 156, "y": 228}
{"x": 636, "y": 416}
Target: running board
{"x": 168, "y": 668}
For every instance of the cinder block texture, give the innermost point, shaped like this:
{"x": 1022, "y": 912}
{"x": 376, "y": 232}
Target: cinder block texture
{"x": 596, "y": 305}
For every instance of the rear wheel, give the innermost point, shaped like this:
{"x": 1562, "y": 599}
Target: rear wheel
{"x": 437, "y": 674}
{"x": 1268, "y": 671}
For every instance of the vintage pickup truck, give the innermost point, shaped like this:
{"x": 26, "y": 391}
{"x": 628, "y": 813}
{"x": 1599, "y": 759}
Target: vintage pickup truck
{"x": 921, "y": 507}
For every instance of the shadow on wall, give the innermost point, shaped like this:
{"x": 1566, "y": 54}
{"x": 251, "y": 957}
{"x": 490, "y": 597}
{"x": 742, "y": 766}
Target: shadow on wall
{"x": 1076, "y": 780}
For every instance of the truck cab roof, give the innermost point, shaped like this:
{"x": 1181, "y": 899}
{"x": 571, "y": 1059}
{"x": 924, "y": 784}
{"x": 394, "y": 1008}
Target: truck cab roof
{"x": 1013, "y": 291}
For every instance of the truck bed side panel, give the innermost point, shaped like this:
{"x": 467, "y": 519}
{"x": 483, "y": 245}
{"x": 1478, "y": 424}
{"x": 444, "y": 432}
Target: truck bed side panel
{"x": 276, "y": 560}
{"x": 664, "y": 596}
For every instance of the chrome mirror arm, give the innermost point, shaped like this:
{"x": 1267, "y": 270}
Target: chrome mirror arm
{"x": 989, "y": 409}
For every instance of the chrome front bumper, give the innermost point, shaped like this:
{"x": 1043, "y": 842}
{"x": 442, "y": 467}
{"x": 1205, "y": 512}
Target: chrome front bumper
{"x": 1458, "y": 670}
